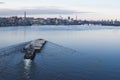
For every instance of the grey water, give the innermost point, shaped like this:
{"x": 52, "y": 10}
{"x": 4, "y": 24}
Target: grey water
{"x": 71, "y": 53}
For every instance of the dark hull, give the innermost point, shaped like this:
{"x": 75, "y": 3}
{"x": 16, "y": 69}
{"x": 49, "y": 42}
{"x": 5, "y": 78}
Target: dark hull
{"x": 29, "y": 56}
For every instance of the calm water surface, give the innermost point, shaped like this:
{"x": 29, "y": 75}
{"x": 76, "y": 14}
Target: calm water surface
{"x": 89, "y": 53}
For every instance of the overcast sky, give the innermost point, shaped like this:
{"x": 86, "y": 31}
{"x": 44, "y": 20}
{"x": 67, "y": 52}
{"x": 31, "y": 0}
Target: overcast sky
{"x": 85, "y": 9}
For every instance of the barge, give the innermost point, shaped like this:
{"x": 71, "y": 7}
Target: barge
{"x": 32, "y": 48}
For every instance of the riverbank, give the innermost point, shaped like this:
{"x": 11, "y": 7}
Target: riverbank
{"x": 28, "y": 21}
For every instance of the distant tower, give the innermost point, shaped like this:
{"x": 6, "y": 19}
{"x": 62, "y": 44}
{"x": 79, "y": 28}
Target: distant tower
{"x": 25, "y": 15}
{"x": 24, "y": 18}
{"x": 76, "y": 17}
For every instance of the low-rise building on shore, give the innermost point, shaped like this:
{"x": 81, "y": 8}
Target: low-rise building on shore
{"x": 27, "y": 21}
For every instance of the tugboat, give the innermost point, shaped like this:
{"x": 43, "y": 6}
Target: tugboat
{"x": 33, "y": 47}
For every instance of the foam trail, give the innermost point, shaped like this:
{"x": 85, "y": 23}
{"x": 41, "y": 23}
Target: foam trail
{"x": 27, "y": 67}
{"x": 27, "y": 64}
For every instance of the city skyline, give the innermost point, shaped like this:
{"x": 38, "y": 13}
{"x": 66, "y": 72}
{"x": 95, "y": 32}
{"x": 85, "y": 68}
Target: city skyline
{"x": 84, "y": 9}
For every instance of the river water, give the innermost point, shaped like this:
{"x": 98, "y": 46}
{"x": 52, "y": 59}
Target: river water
{"x": 71, "y": 53}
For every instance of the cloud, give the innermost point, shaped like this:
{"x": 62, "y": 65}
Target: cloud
{"x": 1, "y": 2}
{"x": 36, "y": 11}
